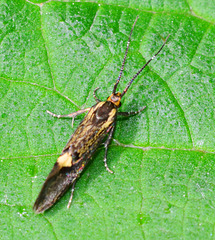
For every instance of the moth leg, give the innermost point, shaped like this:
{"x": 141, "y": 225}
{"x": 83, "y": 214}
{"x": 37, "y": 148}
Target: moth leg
{"x": 107, "y": 142}
{"x": 71, "y": 115}
{"x": 127, "y": 114}
{"x": 72, "y": 192}
{"x": 94, "y": 95}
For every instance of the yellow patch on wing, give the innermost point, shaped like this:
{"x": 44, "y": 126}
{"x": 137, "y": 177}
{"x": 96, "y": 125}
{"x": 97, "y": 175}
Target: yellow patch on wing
{"x": 94, "y": 109}
{"x": 110, "y": 119}
{"x": 65, "y": 160}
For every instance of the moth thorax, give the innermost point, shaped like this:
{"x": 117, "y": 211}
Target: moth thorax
{"x": 115, "y": 98}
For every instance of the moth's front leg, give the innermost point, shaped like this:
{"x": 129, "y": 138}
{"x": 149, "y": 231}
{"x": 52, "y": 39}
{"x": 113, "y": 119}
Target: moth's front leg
{"x": 94, "y": 95}
{"x": 71, "y": 115}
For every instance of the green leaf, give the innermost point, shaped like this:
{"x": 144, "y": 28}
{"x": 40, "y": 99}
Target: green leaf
{"x": 52, "y": 56}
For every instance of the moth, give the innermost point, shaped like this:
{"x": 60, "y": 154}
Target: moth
{"x": 98, "y": 123}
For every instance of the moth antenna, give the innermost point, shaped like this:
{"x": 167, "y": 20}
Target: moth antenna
{"x": 129, "y": 84}
{"x": 125, "y": 56}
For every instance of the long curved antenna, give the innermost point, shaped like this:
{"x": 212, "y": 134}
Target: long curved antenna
{"x": 123, "y": 63}
{"x": 129, "y": 84}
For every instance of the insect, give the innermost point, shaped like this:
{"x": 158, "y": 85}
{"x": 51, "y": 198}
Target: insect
{"x": 99, "y": 122}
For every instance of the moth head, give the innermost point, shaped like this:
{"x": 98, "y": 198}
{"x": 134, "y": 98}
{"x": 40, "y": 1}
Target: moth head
{"x": 115, "y": 98}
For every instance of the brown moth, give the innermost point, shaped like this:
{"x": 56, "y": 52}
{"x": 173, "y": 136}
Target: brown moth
{"x": 99, "y": 122}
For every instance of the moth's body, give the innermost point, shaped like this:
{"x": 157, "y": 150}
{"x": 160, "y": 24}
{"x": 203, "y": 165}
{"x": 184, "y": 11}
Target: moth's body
{"x": 99, "y": 122}
{"x": 77, "y": 152}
